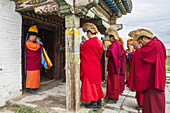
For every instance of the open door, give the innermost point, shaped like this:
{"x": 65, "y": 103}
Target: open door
{"x": 50, "y": 37}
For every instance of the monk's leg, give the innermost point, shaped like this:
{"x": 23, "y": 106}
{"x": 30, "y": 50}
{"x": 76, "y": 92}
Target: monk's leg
{"x": 113, "y": 86}
{"x": 153, "y": 101}
{"x": 33, "y": 79}
{"x": 122, "y": 83}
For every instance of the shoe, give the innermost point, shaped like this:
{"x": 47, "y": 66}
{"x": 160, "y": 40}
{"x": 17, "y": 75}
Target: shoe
{"x": 139, "y": 107}
{"x": 112, "y": 100}
{"x": 99, "y": 103}
{"x": 92, "y": 105}
{"x": 132, "y": 90}
{"x": 32, "y": 91}
{"x": 64, "y": 80}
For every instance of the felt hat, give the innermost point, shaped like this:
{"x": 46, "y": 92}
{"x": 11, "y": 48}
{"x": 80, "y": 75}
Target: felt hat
{"x": 132, "y": 33}
{"x": 143, "y": 32}
{"x": 112, "y": 31}
{"x": 33, "y": 30}
{"x": 91, "y": 27}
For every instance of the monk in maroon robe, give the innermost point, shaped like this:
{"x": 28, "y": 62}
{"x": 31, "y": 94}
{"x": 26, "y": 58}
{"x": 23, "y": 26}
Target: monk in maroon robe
{"x": 149, "y": 74}
{"x": 33, "y": 60}
{"x": 139, "y": 94}
{"x": 123, "y": 67}
{"x": 102, "y": 61}
{"x": 114, "y": 55}
{"x": 90, "y": 69}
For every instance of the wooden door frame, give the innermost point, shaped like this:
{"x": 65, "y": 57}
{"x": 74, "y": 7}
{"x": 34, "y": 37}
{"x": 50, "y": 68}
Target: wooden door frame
{"x": 55, "y": 28}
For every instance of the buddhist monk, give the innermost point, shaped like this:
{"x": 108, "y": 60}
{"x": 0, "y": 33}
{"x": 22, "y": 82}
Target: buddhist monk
{"x": 62, "y": 49}
{"x": 149, "y": 74}
{"x": 90, "y": 69}
{"x": 139, "y": 94}
{"x": 128, "y": 51}
{"x": 102, "y": 61}
{"x": 114, "y": 55}
{"x": 33, "y": 60}
{"x": 123, "y": 67}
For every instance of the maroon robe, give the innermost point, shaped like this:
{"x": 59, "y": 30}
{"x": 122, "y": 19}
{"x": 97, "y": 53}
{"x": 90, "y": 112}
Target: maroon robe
{"x": 148, "y": 69}
{"x": 153, "y": 101}
{"x": 122, "y": 71}
{"x": 139, "y": 97}
{"x": 148, "y": 72}
{"x": 33, "y": 58}
{"x": 90, "y": 70}
{"x": 114, "y": 54}
{"x": 139, "y": 94}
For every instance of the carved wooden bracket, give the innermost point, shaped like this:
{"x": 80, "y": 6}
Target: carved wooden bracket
{"x": 47, "y": 9}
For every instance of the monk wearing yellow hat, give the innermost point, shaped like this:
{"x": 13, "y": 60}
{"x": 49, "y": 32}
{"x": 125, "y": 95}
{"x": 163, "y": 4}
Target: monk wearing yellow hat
{"x": 33, "y": 60}
{"x": 149, "y": 73}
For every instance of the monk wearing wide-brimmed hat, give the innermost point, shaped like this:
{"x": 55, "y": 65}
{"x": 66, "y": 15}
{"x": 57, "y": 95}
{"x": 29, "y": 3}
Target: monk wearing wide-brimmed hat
{"x": 114, "y": 55}
{"x": 149, "y": 73}
{"x": 130, "y": 59}
{"x": 90, "y": 69}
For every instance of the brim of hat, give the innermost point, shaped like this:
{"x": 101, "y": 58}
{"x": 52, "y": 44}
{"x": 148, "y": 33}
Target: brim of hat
{"x": 33, "y": 33}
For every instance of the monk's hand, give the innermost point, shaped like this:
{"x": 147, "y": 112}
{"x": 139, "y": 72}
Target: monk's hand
{"x": 38, "y": 39}
{"x": 129, "y": 47}
{"x": 136, "y": 45}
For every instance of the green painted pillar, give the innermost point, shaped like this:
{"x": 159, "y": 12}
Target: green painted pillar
{"x": 72, "y": 43}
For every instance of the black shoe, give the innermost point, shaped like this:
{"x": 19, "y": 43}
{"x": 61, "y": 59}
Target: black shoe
{"x": 112, "y": 100}
{"x": 32, "y": 91}
{"x": 132, "y": 90}
{"x": 64, "y": 80}
{"x": 92, "y": 105}
{"x": 99, "y": 103}
{"x": 139, "y": 107}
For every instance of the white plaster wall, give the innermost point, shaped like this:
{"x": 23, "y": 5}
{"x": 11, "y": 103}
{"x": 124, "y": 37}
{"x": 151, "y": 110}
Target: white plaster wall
{"x": 10, "y": 52}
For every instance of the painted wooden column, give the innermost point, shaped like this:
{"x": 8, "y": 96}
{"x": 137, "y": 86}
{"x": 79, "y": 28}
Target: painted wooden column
{"x": 72, "y": 43}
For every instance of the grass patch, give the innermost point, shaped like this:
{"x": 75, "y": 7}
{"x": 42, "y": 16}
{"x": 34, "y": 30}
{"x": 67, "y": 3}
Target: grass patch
{"x": 121, "y": 107}
{"x": 24, "y": 109}
{"x": 167, "y": 81}
{"x": 167, "y": 66}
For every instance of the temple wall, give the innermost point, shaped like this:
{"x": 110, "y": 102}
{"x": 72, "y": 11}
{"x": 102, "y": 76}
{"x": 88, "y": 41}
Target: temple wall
{"x": 10, "y": 52}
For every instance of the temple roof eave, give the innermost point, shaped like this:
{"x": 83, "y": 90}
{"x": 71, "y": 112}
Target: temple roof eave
{"x": 101, "y": 10}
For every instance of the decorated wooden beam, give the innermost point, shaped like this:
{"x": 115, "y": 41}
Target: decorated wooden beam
{"x": 105, "y": 7}
{"x": 42, "y": 19}
{"x": 127, "y": 4}
{"x": 120, "y": 6}
{"x": 51, "y": 8}
{"x": 99, "y": 12}
{"x": 31, "y": 4}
